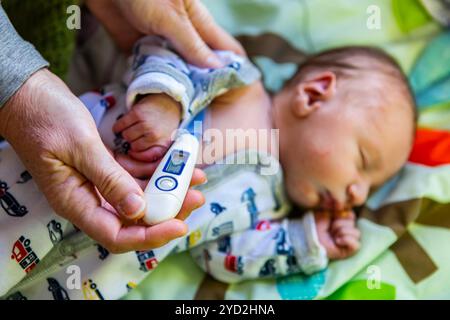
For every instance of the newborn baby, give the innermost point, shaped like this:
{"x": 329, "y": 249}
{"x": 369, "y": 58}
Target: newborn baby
{"x": 346, "y": 124}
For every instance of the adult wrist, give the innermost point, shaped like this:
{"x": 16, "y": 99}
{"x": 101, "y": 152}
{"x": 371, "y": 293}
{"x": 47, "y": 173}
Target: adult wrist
{"x": 13, "y": 108}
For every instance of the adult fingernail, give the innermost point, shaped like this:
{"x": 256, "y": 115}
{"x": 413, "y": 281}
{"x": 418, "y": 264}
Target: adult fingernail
{"x": 132, "y": 206}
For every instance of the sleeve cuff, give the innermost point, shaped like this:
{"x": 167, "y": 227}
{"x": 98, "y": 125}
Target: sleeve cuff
{"x": 18, "y": 59}
{"x": 156, "y": 69}
{"x": 311, "y": 255}
{"x": 158, "y": 82}
{"x": 17, "y": 79}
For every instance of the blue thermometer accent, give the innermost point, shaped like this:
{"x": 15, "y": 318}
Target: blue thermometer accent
{"x": 170, "y": 182}
{"x": 166, "y": 183}
{"x": 176, "y": 162}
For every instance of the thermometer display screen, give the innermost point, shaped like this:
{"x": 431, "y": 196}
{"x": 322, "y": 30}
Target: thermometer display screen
{"x": 176, "y": 162}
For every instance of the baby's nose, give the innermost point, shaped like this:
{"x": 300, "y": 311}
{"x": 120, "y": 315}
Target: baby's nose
{"x": 357, "y": 194}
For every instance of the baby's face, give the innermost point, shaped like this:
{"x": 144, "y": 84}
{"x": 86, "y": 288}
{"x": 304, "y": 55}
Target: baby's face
{"x": 337, "y": 141}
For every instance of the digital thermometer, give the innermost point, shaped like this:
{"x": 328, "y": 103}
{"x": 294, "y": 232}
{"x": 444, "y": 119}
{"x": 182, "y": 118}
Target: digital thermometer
{"x": 170, "y": 182}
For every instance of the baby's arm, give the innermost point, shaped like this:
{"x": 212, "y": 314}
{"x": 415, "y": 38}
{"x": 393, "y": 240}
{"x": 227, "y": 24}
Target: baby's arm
{"x": 157, "y": 69}
{"x": 287, "y": 247}
{"x": 158, "y": 98}
{"x": 280, "y": 248}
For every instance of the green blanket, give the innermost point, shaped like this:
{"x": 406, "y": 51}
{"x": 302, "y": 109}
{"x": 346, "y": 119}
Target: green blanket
{"x": 405, "y": 225}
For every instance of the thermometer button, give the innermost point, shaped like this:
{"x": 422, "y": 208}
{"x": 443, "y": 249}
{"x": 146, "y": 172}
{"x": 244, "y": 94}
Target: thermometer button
{"x": 166, "y": 183}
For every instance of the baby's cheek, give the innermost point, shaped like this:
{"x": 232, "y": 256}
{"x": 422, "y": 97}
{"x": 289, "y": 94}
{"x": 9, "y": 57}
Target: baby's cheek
{"x": 329, "y": 167}
{"x": 317, "y": 158}
{"x": 309, "y": 171}
{"x": 302, "y": 191}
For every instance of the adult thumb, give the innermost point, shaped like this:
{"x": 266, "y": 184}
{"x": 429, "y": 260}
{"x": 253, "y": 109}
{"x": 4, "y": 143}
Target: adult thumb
{"x": 191, "y": 46}
{"x": 115, "y": 184}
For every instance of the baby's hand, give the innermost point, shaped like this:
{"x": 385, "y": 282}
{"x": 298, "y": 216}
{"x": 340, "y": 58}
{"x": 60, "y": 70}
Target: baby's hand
{"x": 338, "y": 233}
{"x": 149, "y": 125}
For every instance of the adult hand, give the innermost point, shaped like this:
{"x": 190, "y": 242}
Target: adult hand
{"x": 57, "y": 140}
{"x": 186, "y": 23}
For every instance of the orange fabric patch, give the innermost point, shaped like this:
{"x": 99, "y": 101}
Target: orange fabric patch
{"x": 431, "y": 147}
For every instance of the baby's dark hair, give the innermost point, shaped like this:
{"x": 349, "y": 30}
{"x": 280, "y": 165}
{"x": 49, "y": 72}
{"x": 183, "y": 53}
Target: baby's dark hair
{"x": 345, "y": 61}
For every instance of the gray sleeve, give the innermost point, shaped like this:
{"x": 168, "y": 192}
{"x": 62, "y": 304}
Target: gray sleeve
{"x": 18, "y": 59}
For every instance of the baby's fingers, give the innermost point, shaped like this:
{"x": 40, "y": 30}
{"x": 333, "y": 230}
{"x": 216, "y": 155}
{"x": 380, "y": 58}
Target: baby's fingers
{"x": 137, "y": 169}
{"x": 141, "y": 183}
{"x": 124, "y": 122}
{"x": 150, "y": 155}
{"x": 349, "y": 242}
{"x": 351, "y": 231}
{"x": 342, "y": 223}
{"x": 135, "y": 132}
{"x": 146, "y": 142}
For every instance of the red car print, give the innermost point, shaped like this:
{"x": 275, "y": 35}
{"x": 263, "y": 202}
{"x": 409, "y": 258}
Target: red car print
{"x": 147, "y": 260}
{"x": 234, "y": 264}
{"x": 24, "y": 255}
{"x": 108, "y": 101}
{"x": 263, "y": 225}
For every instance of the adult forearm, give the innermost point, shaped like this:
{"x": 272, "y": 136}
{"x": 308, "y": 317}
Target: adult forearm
{"x": 18, "y": 59}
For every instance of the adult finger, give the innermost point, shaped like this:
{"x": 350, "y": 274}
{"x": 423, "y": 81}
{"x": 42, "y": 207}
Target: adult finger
{"x": 213, "y": 35}
{"x": 187, "y": 41}
{"x": 194, "y": 199}
{"x": 114, "y": 183}
{"x": 106, "y": 228}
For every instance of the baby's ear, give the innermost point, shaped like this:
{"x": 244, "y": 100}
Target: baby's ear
{"x": 310, "y": 94}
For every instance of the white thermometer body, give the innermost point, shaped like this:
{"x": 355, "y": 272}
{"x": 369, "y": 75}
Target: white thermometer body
{"x": 169, "y": 184}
